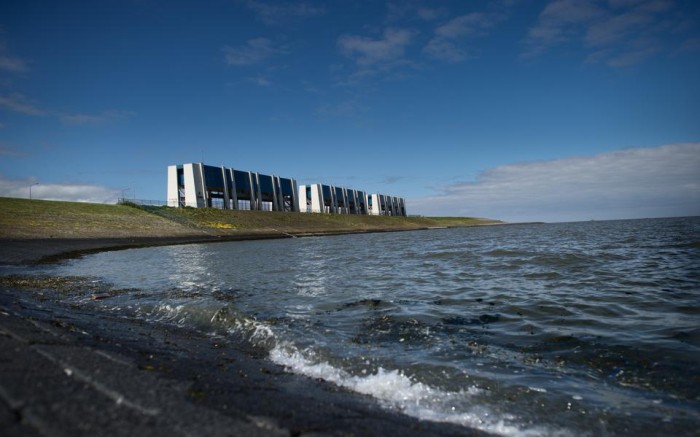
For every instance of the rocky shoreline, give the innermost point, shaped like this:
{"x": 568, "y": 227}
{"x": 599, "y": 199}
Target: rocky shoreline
{"x": 70, "y": 369}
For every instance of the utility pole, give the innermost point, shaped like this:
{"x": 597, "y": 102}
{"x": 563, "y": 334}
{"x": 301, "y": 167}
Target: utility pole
{"x": 30, "y": 189}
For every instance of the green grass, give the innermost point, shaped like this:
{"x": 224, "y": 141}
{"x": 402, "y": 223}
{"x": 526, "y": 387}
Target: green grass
{"x": 22, "y": 218}
{"x": 294, "y": 222}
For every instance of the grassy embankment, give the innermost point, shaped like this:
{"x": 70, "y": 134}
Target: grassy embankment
{"x": 31, "y": 219}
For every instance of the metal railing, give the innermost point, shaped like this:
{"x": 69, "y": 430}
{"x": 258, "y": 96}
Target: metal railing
{"x": 142, "y": 202}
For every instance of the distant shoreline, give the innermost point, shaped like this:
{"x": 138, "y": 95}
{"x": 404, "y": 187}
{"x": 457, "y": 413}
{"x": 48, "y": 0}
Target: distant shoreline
{"x": 43, "y": 251}
{"x": 38, "y": 231}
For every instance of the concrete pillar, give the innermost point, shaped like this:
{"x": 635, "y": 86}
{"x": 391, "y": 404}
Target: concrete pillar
{"x": 194, "y": 186}
{"x": 173, "y": 188}
{"x": 295, "y": 196}
{"x": 277, "y": 202}
{"x": 227, "y": 201}
{"x": 317, "y": 199}
{"x": 203, "y": 185}
{"x": 232, "y": 189}
{"x": 256, "y": 192}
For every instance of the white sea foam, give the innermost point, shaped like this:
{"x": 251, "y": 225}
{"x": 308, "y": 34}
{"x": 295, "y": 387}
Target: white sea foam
{"x": 256, "y": 332}
{"x": 167, "y": 312}
{"x": 397, "y": 391}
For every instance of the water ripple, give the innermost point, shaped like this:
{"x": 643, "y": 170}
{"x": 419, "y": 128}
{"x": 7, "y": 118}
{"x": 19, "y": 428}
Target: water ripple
{"x": 566, "y": 328}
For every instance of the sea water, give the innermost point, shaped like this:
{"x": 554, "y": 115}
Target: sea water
{"x": 586, "y": 328}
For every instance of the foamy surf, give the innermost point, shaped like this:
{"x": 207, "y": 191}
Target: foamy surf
{"x": 394, "y": 390}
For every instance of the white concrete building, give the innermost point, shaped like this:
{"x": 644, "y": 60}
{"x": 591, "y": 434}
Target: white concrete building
{"x": 329, "y": 199}
{"x": 381, "y": 204}
{"x": 198, "y": 185}
{"x": 205, "y": 186}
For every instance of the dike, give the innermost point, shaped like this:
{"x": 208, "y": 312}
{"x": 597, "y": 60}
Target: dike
{"x": 33, "y": 231}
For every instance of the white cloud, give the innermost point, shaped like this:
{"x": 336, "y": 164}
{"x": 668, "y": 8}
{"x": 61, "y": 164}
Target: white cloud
{"x": 630, "y": 183}
{"x": 104, "y": 117}
{"x": 428, "y": 14}
{"x": 447, "y": 43}
{"x": 7, "y": 150}
{"x": 342, "y": 109}
{"x": 445, "y": 50}
{"x": 635, "y": 52}
{"x": 11, "y": 63}
{"x": 690, "y": 45}
{"x": 406, "y": 10}
{"x": 280, "y": 12}
{"x": 385, "y": 50}
{"x": 19, "y": 103}
{"x": 616, "y": 28}
{"x": 69, "y": 192}
{"x": 15, "y": 65}
{"x": 618, "y": 33}
{"x": 464, "y": 25}
{"x": 260, "y": 81}
{"x": 254, "y": 51}
{"x": 560, "y": 21}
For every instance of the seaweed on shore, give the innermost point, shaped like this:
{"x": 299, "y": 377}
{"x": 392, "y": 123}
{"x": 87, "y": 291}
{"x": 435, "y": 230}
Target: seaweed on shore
{"x": 61, "y": 286}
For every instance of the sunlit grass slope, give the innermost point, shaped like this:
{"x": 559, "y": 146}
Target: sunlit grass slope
{"x": 22, "y": 218}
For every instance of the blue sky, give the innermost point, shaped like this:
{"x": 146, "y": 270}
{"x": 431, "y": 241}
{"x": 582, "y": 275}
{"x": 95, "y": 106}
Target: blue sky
{"x": 518, "y": 110}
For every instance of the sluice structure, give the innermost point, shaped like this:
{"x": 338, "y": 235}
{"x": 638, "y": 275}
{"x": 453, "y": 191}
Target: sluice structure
{"x": 330, "y": 199}
{"x": 322, "y": 198}
{"x": 381, "y": 204}
{"x": 205, "y": 186}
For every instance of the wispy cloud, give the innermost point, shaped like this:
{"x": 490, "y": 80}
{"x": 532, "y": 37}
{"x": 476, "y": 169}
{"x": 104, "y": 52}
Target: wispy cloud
{"x": 376, "y": 54}
{"x": 13, "y": 64}
{"x": 275, "y": 13}
{"x": 398, "y": 44}
{"x": 104, "y": 117}
{"x": 465, "y": 25}
{"x": 559, "y": 22}
{"x": 690, "y": 45}
{"x": 10, "y": 63}
{"x": 21, "y": 104}
{"x": 407, "y": 11}
{"x": 343, "y": 109}
{"x": 69, "y": 192}
{"x": 16, "y": 102}
{"x": 393, "y": 179}
{"x": 254, "y": 51}
{"x": 449, "y": 42}
{"x": 10, "y": 151}
{"x": 630, "y": 183}
{"x": 261, "y": 81}
{"x": 618, "y": 33}
{"x": 445, "y": 45}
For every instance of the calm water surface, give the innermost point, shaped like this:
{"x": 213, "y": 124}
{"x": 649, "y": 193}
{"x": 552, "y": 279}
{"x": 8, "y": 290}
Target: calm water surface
{"x": 558, "y": 329}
